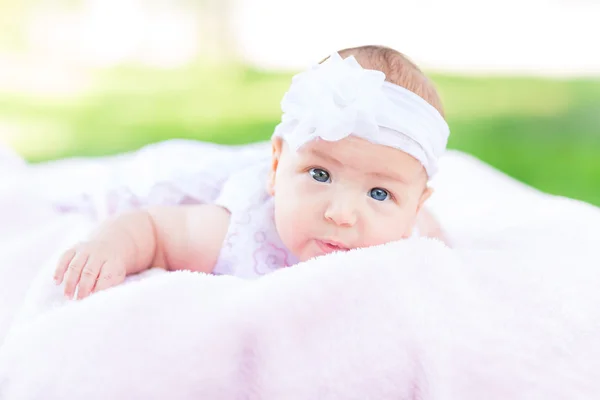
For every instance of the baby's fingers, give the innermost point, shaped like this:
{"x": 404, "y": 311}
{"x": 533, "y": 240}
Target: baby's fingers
{"x": 63, "y": 264}
{"x": 74, "y": 273}
{"x": 89, "y": 274}
{"x": 111, "y": 275}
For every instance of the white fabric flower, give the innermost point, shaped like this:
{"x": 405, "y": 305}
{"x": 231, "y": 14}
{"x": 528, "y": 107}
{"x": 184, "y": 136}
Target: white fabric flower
{"x": 332, "y": 101}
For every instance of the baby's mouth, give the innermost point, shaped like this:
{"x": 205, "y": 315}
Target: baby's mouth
{"x": 330, "y": 246}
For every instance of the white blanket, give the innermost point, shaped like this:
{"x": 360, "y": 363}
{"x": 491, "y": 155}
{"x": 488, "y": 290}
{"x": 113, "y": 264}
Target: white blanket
{"x": 511, "y": 312}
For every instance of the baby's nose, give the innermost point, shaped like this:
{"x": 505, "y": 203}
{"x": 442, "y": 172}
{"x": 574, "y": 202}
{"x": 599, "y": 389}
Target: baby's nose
{"x": 342, "y": 213}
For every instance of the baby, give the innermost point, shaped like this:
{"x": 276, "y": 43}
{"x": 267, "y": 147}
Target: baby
{"x": 359, "y": 139}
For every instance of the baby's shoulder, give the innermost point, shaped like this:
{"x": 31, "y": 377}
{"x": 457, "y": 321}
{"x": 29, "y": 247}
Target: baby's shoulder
{"x": 245, "y": 190}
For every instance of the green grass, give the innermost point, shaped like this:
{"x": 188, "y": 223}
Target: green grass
{"x": 543, "y": 132}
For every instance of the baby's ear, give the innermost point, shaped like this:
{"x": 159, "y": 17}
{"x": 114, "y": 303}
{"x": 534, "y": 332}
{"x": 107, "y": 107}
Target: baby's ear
{"x": 277, "y": 145}
{"x": 424, "y": 196}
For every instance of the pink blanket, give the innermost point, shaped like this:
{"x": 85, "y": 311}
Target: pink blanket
{"x": 511, "y": 312}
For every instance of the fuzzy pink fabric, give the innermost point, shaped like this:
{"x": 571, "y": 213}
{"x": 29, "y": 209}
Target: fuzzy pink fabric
{"x": 511, "y": 312}
{"x": 411, "y": 320}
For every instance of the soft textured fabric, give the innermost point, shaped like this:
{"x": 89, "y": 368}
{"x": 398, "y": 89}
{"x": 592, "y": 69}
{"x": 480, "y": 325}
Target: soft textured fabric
{"x": 409, "y": 320}
{"x": 510, "y": 312}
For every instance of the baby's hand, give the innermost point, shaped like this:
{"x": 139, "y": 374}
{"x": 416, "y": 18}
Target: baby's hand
{"x": 90, "y": 267}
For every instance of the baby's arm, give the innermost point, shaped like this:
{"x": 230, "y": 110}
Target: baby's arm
{"x": 174, "y": 238}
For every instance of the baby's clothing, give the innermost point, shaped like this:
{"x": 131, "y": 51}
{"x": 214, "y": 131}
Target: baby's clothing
{"x": 252, "y": 246}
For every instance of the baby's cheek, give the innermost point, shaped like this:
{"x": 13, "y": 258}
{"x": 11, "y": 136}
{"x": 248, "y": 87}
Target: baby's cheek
{"x": 289, "y": 227}
{"x": 299, "y": 214}
{"x": 405, "y": 227}
{"x": 300, "y": 224}
{"x": 389, "y": 230}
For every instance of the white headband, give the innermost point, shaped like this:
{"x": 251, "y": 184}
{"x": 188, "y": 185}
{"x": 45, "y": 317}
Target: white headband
{"x": 338, "y": 97}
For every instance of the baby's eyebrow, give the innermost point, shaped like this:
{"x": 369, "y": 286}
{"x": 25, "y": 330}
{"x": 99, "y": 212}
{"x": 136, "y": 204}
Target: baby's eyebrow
{"x": 389, "y": 176}
{"x": 325, "y": 156}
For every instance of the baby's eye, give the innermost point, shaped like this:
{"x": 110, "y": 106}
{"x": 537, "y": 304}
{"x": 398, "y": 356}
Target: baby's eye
{"x": 379, "y": 194}
{"x": 319, "y": 175}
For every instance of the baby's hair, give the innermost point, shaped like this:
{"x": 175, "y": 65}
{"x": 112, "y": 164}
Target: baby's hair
{"x": 398, "y": 69}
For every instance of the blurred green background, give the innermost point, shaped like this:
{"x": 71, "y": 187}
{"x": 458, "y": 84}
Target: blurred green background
{"x": 542, "y": 131}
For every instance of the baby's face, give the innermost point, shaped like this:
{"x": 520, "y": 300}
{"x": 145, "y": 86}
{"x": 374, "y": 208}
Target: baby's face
{"x": 332, "y": 196}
